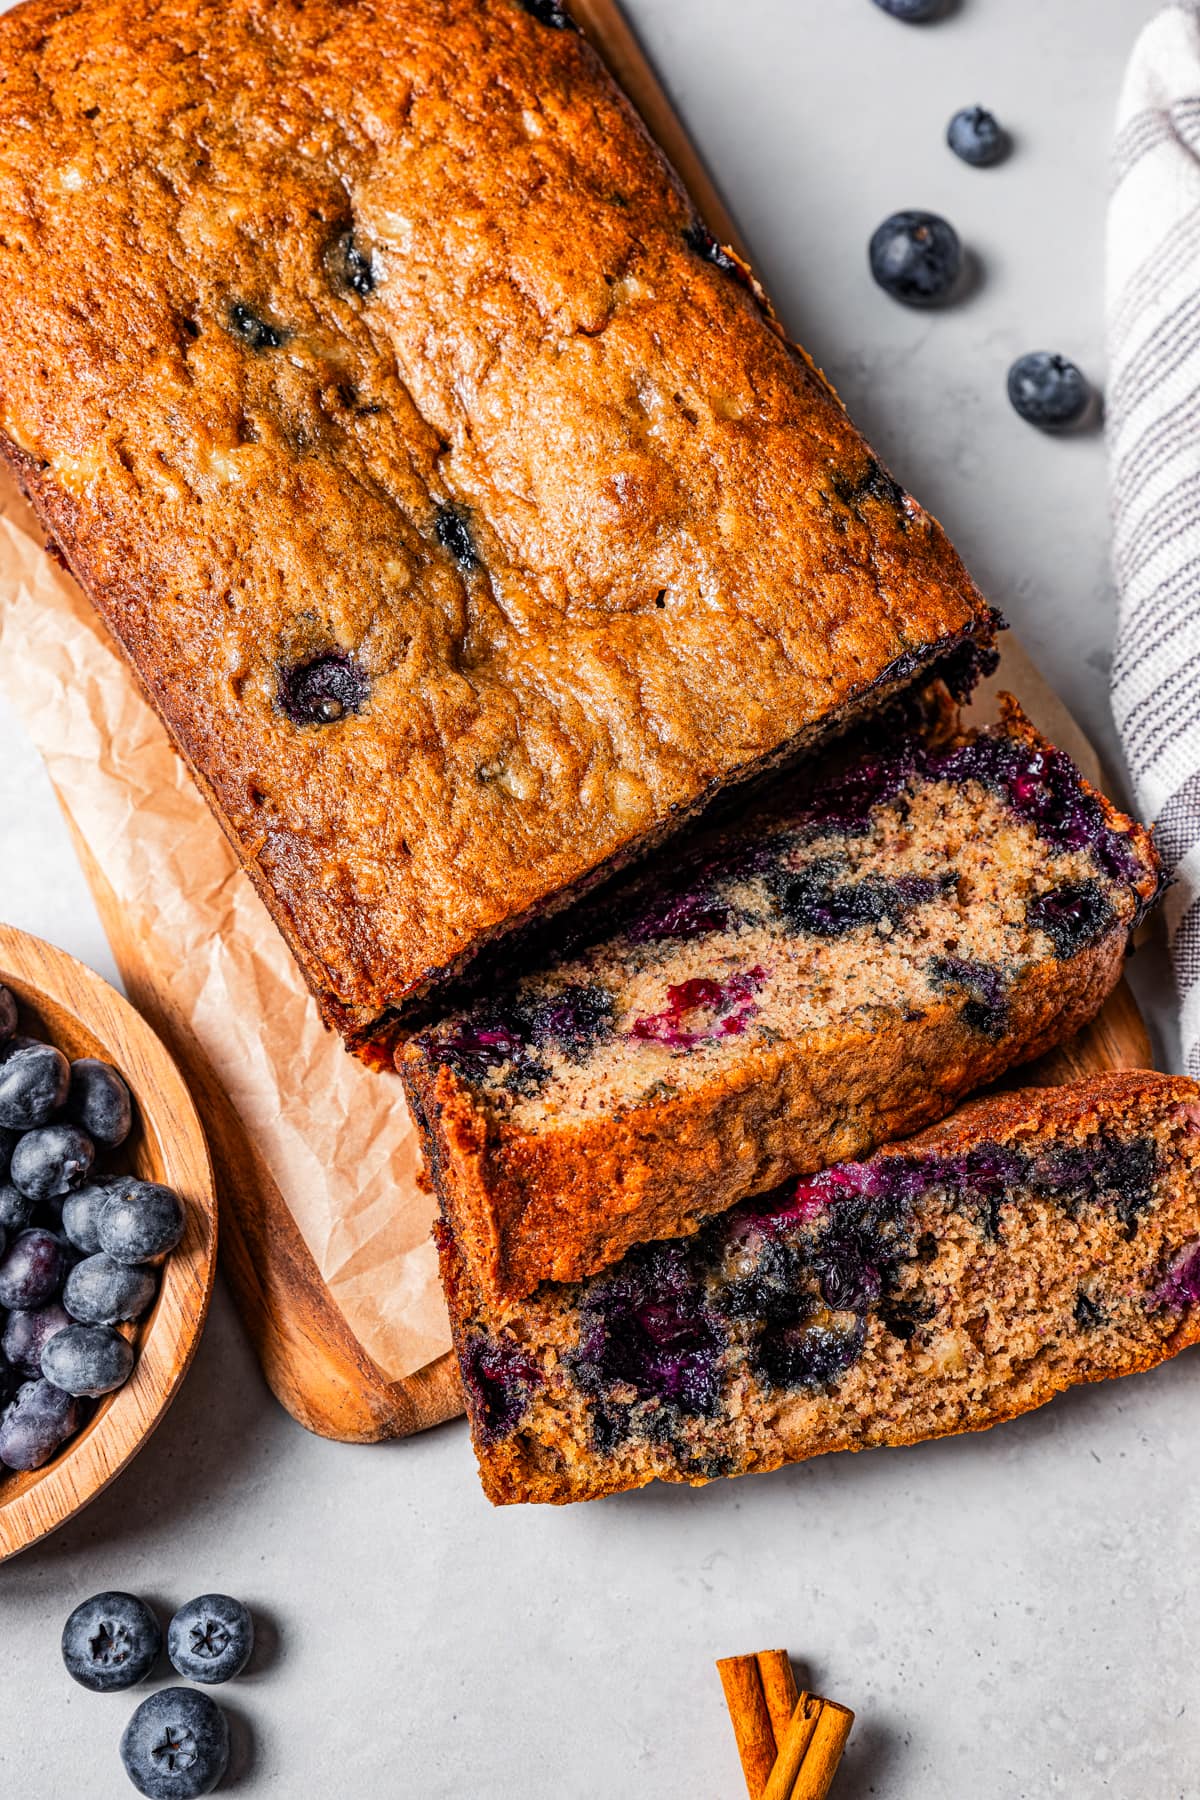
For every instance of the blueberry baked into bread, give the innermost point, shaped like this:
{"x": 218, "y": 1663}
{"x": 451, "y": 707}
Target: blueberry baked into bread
{"x": 839, "y": 967}
{"x": 1042, "y": 1238}
{"x": 454, "y": 496}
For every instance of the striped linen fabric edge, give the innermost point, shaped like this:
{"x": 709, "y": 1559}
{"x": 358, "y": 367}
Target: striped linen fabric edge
{"x": 1153, "y": 425}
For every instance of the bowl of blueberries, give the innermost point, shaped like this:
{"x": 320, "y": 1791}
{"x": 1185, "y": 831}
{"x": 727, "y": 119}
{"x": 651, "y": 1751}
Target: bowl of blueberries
{"x": 108, "y": 1232}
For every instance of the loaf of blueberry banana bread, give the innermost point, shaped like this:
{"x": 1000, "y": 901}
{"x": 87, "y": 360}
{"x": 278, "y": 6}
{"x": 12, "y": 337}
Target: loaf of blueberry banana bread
{"x": 1042, "y": 1238}
{"x": 454, "y": 496}
{"x": 838, "y": 967}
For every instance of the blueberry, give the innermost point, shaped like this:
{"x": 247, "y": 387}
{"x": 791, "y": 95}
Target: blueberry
{"x": 8, "y": 1014}
{"x": 176, "y": 1746}
{"x": 141, "y": 1222}
{"x": 99, "y": 1101}
{"x": 81, "y": 1214}
{"x": 34, "y": 1079}
{"x": 16, "y": 1209}
{"x": 323, "y": 690}
{"x": 913, "y": 12}
{"x": 10, "y": 1381}
{"x": 99, "y": 1291}
{"x": 111, "y": 1641}
{"x": 454, "y": 535}
{"x": 977, "y": 136}
{"x": 210, "y": 1639}
{"x": 552, "y": 13}
{"x": 32, "y": 1269}
{"x": 52, "y": 1160}
{"x": 1048, "y": 391}
{"x": 39, "y": 1420}
{"x": 88, "y": 1360}
{"x": 252, "y": 330}
{"x": 27, "y": 1332}
{"x": 916, "y": 257}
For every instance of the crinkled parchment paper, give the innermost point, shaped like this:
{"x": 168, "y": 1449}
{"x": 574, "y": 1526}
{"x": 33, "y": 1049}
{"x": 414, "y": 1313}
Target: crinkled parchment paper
{"x": 336, "y": 1137}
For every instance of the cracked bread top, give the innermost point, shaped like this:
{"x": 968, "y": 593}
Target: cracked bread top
{"x": 455, "y": 498}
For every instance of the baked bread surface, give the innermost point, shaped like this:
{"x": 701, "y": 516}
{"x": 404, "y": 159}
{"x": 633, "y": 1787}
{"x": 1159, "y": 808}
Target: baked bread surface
{"x": 456, "y": 500}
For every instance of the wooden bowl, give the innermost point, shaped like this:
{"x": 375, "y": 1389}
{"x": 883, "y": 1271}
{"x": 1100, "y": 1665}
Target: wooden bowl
{"x": 72, "y": 1007}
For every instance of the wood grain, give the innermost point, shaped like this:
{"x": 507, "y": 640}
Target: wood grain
{"x": 311, "y": 1359}
{"x": 63, "y": 1001}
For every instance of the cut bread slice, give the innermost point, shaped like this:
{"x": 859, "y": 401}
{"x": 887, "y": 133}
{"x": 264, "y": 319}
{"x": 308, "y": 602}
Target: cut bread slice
{"x": 1037, "y": 1239}
{"x": 837, "y": 968}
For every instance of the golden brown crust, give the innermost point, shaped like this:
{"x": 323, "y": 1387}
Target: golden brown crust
{"x": 560, "y": 1203}
{"x": 1133, "y": 1099}
{"x": 282, "y": 282}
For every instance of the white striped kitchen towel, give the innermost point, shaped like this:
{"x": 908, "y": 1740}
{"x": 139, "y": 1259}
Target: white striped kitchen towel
{"x": 1153, "y": 411}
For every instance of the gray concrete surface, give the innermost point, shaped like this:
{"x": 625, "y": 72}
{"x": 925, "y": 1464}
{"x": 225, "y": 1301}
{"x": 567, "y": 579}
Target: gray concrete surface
{"x": 1011, "y": 1615}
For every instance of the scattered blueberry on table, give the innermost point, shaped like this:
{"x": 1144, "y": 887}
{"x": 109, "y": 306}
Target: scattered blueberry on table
{"x": 916, "y": 257}
{"x": 210, "y": 1639}
{"x": 111, "y": 1641}
{"x": 176, "y": 1745}
{"x": 913, "y": 12}
{"x": 79, "y": 1246}
{"x": 1048, "y": 390}
{"x": 977, "y": 136}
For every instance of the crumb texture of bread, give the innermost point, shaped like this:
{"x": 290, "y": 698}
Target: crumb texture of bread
{"x": 841, "y": 966}
{"x": 456, "y": 500}
{"x": 1035, "y": 1240}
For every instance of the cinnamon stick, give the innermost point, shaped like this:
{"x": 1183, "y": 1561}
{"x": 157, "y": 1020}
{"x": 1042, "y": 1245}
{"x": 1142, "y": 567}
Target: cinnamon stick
{"x": 760, "y": 1693}
{"x": 793, "y": 1748}
{"x": 824, "y": 1752}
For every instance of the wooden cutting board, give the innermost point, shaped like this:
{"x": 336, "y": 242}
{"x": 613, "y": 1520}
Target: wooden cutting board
{"x": 314, "y": 1364}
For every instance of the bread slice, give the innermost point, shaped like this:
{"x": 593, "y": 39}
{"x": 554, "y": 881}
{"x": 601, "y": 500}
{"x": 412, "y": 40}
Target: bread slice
{"x": 456, "y": 499}
{"x": 837, "y": 968}
{"x": 1042, "y": 1238}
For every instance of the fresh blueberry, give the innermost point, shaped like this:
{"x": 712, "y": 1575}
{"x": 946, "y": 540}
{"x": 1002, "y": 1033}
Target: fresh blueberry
{"x": 99, "y": 1291}
{"x": 88, "y": 1360}
{"x": 8, "y": 1141}
{"x": 8, "y": 1014}
{"x": 16, "y": 1209}
{"x": 34, "y": 1079}
{"x": 32, "y": 1269}
{"x": 916, "y": 257}
{"x": 99, "y": 1101}
{"x": 977, "y": 136}
{"x": 913, "y": 12}
{"x": 26, "y": 1334}
{"x": 81, "y": 1215}
{"x": 39, "y": 1420}
{"x": 10, "y": 1381}
{"x": 51, "y": 1161}
{"x": 1048, "y": 390}
{"x": 210, "y": 1639}
{"x": 176, "y": 1746}
{"x": 141, "y": 1222}
{"x": 111, "y": 1641}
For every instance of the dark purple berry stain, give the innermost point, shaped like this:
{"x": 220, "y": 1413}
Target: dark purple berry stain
{"x": 647, "y": 1327}
{"x": 574, "y": 1020}
{"x": 550, "y": 12}
{"x": 1073, "y": 916}
{"x": 324, "y": 689}
{"x": 730, "y": 1003}
{"x": 252, "y": 330}
{"x": 986, "y": 1008}
{"x": 509, "y": 1033}
{"x": 353, "y": 266}
{"x": 874, "y": 483}
{"x": 674, "y": 916}
{"x": 819, "y": 901}
{"x": 500, "y": 1380}
{"x": 699, "y": 238}
{"x": 1088, "y": 1313}
{"x": 454, "y": 535}
{"x": 1179, "y": 1286}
